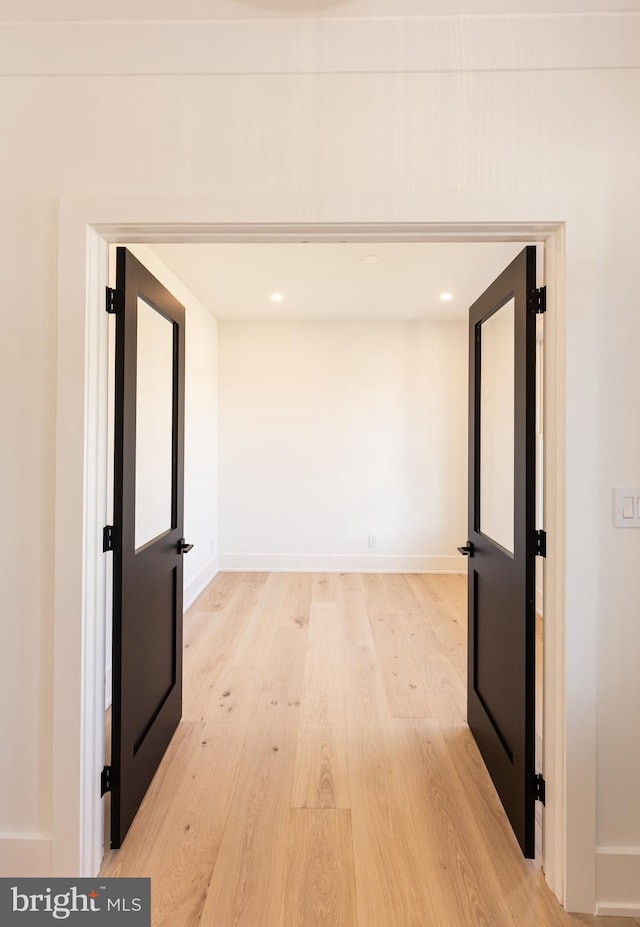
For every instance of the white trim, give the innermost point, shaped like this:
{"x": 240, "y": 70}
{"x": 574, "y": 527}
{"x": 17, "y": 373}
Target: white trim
{"x": 96, "y": 516}
{"x": 618, "y": 910}
{"x": 553, "y": 607}
{"x": 78, "y": 714}
{"x": 341, "y": 563}
{"x": 618, "y": 881}
{"x": 200, "y": 582}
{"x": 324, "y": 45}
{"x": 25, "y": 856}
{"x": 79, "y": 591}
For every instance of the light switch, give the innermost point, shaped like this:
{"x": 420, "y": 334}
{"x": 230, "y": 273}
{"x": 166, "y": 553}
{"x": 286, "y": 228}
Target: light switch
{"x": 626, "y": 507}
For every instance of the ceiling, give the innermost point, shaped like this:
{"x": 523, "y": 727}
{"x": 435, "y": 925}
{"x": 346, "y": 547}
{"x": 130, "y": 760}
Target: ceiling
{"x": 320, "y": 280}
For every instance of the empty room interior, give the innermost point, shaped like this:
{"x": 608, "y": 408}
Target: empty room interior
{"x": 323, "y": 771}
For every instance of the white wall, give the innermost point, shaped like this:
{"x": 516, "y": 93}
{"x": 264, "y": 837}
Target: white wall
{"x": 392, "y": 140}
{"x": 332, "y": 431}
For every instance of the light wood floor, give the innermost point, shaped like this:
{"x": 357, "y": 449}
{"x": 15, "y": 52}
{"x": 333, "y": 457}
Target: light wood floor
{"x": 323, "y": 775}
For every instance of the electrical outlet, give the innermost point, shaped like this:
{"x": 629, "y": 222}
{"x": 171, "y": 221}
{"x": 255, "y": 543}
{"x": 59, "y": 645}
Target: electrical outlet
{"x": 372, "y": 542}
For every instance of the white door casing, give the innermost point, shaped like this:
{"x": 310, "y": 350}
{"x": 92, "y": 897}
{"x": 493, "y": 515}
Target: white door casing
{"x": 86, "y": 226}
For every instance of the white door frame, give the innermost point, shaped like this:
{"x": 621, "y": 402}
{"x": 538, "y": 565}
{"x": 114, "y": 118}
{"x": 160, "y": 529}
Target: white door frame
{"x": 86, "y": 227}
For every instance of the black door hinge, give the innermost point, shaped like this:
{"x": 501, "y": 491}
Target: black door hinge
{"x": 541, "y": 543}
{"x": 106, "y": 780}
{"x": 109, "y": 539}
{"x": 539, "y": 788}
{"x": 115, "y": 300}
{"x": 537, "y": 300}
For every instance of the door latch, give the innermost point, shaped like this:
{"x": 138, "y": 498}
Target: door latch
{"x": 467, "y": 550}
{"x": 183, "y": 547}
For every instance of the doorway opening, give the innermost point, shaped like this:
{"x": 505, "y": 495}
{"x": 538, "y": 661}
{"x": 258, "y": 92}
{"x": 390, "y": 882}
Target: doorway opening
{"x": 85, "y": 234}
{"x": 490, "y": 258}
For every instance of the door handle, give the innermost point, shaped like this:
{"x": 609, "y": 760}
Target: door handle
{"x": 183, "y": 547}
{"x": 467, "y": 550}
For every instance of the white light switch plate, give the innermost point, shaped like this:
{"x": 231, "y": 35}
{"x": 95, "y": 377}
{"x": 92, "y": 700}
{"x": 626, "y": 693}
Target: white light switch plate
{"x": 626, "y": 507}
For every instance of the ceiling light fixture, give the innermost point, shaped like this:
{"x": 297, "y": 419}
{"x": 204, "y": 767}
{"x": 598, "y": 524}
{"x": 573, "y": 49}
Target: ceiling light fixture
{"x": 276, "y": 297}
{"x": 370, "y": 259}
{"x": 446, "y": 297}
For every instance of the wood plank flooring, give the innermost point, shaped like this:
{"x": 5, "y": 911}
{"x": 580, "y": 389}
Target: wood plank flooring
{"x": 323, "y": 775}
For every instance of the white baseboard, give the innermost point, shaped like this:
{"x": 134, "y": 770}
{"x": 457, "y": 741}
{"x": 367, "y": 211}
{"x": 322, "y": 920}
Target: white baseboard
{"x": 26, "y": 856}
{"x": 348, "y": 563}
{"x": 199, "y": 583}
{"x": 618, "y": 881}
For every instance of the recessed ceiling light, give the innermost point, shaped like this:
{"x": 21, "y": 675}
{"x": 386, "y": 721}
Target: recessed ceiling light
{"x": 370, "y": 259}
{"x": 276, "y": 297}
{"x": 445, "y": 297}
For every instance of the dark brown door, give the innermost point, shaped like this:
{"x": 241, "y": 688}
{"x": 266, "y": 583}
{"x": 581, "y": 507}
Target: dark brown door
{"x": 148, "y": 528}
{"x": 502, "y": 540}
